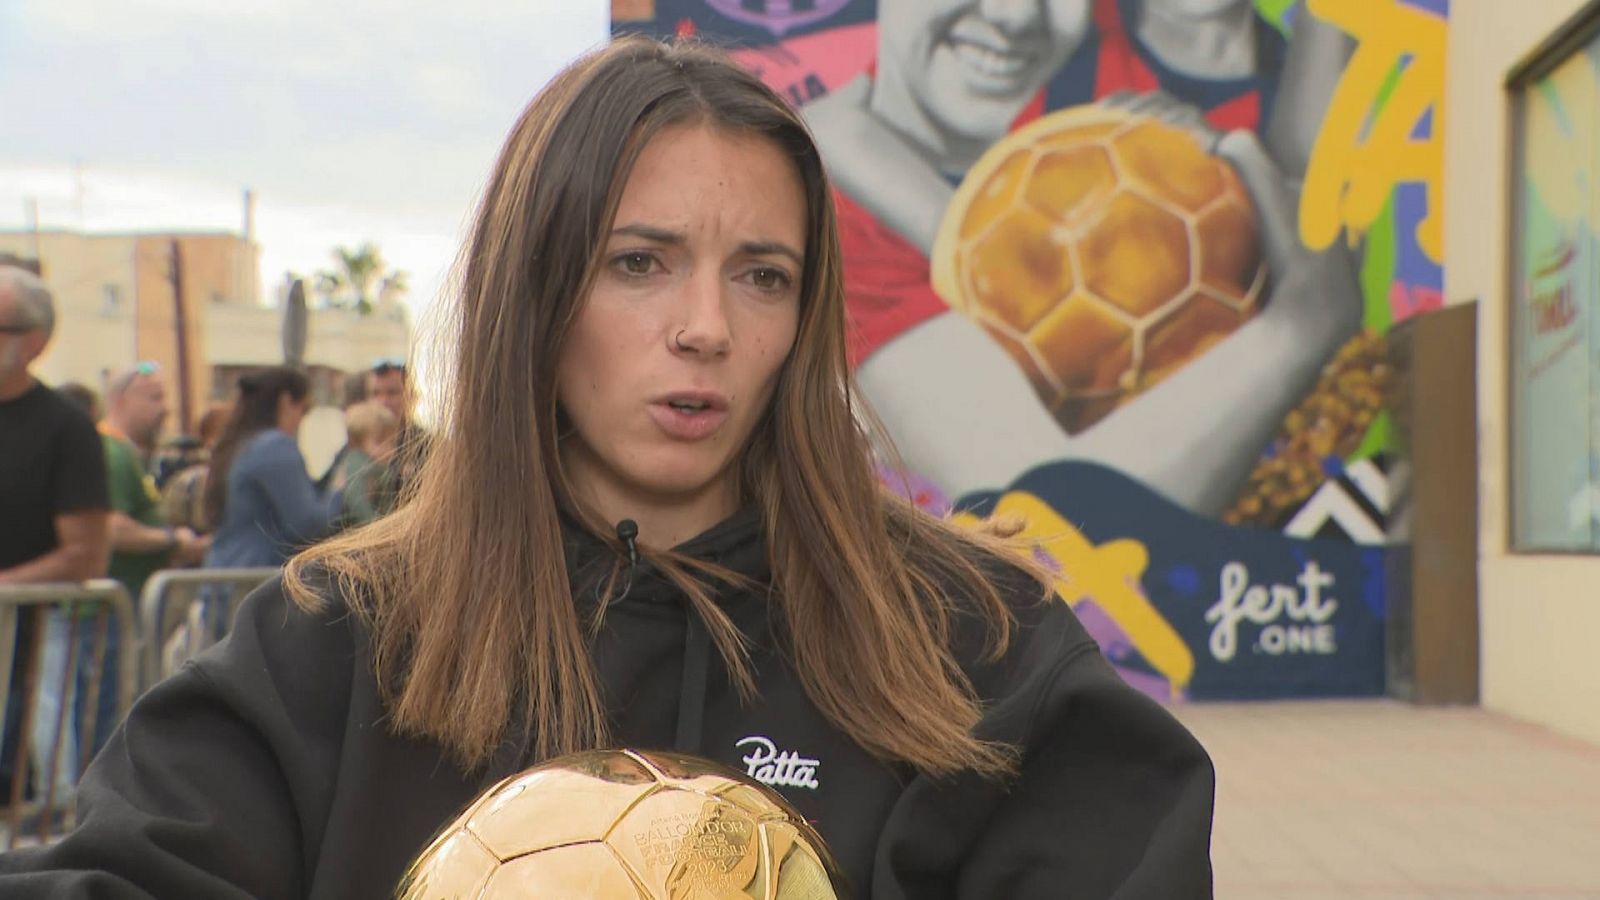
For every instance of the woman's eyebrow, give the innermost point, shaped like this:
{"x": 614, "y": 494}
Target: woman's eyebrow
{"x": 771, "y": 248}
{"x": 652, "y": 233}
{"x": 672, "y": 238}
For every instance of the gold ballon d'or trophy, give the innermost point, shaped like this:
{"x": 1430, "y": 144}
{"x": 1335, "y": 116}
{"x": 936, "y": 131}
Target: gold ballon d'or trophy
{"x": 627, "y": 825}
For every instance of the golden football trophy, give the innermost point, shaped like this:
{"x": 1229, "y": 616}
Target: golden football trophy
{"x": 627, "y": 824}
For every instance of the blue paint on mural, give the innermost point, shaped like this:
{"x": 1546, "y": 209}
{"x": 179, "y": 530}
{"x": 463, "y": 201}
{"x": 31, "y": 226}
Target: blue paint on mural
{"x": 1265, "y": 615}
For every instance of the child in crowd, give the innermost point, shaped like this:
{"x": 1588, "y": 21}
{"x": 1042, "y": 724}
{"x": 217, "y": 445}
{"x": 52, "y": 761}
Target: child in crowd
{"x": 368, "y": 482}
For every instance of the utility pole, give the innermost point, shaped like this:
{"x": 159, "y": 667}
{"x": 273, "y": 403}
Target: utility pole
{"x": 78, "y": 192}
{"x": 30, "y": 209}
{"x": 180, "y": 327}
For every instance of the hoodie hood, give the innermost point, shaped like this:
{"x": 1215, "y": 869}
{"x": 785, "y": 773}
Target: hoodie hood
{"x": 737, "y": 543}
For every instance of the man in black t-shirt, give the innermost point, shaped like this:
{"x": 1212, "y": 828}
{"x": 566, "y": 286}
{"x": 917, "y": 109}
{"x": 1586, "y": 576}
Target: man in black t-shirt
{"x": 52, "y": 468}
{"x": 53, "y": 499}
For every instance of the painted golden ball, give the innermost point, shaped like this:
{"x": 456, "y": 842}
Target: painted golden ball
{"x": 1104, "y": 250}
{"x": 615, "y": 824}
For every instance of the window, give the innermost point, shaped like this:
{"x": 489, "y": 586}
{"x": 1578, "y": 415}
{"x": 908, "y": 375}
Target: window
{"x": 1555, "y": 293}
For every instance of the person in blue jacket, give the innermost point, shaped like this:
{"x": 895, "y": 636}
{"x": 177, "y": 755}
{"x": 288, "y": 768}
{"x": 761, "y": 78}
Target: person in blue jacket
{"x": 650, "y": 519}
{"x": 258, "y": 492}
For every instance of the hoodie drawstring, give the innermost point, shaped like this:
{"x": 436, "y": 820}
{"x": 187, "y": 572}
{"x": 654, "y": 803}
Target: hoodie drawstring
{"x": 696, "y": 651}
{"x": 692, "y": 693}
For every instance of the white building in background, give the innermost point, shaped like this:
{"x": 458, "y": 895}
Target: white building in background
{"x": 191, "y": 303}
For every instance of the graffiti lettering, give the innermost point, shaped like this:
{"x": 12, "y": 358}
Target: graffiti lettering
{"x": 1550, "y": 293}
{"x": 1542, "y": 367}
{"x": 1264, "y": 605}
{"x": 1554, "y": 311}
{"x": 1280, "y": 639}
{"x": 1361, "y": 151}
{"x": 1108, "y": 575}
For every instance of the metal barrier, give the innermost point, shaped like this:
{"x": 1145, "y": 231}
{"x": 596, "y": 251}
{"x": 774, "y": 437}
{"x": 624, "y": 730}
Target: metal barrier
{"x": 179, "y": 617}
{"x": 56, "y": 616}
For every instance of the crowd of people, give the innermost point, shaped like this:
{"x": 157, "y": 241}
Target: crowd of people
{"x": 90, "y": 489}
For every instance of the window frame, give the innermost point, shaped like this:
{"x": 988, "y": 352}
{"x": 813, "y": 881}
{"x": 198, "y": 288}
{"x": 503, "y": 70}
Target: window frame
{"x": 1573, "y": 36}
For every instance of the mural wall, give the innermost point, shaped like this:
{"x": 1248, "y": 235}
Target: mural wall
{"x": 1125, "y": 267}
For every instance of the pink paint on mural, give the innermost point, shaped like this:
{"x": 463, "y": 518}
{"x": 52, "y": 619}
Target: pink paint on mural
{"x": 799, "y": 67}
{"x": 920, "y": 491}
{"x": 1407, "y": 300}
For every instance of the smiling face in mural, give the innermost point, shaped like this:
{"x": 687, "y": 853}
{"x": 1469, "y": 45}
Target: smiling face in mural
{"x": 972, "y": 65}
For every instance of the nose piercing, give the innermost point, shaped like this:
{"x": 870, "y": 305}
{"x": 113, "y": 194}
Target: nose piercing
{"x": 677, "y": 339}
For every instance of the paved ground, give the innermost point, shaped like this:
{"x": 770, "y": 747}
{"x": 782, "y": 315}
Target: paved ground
{"x": 1369, "y": 800}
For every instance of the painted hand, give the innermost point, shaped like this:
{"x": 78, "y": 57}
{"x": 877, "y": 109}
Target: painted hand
{"x": 1162, "y": 105}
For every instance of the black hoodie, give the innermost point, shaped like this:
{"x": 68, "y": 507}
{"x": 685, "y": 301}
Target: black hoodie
{"x": 265, "y": 769}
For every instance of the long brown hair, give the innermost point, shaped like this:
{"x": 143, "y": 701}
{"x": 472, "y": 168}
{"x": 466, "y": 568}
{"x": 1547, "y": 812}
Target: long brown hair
{"x": 465, "y": 587}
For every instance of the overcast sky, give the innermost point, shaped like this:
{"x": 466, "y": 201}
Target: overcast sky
{"x": 351, "y": 119}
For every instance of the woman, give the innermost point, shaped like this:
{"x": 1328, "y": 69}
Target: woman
{"x": 650, "y": 520}
{"x": 257, "y": 491}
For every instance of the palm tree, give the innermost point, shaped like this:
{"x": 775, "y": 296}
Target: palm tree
{"x": 359, "y": 279}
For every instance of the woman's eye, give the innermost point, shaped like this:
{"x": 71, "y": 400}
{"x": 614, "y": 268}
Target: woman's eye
{"x": 636, "y": 263}
{"x": 770, "y": 279}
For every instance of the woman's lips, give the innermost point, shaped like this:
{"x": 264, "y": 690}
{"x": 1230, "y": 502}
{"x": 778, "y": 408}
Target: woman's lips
{"x": 687, "y": 424}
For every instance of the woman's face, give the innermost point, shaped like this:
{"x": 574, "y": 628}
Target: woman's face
{"x": 972, "y": 65}
{"x": 291, "y": 412}
{"x": 672, "y": 359}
